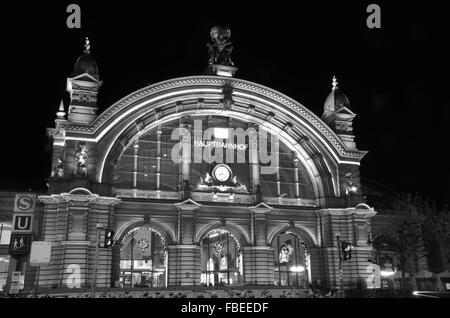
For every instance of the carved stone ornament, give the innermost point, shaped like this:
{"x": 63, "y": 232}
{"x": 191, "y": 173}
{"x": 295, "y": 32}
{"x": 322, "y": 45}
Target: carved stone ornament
{"x": 227, "y": 92}
{"x": 81, "y": 161}
{"x": 220, "y": 47}
{"x": 352, "y": 187}
{"x": 59, "y": 169}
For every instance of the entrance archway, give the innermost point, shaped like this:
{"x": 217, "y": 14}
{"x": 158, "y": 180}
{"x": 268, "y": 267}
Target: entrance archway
{"x": 143, "y": 258}
{"x": 221, "y": 259}
{"x": 292, "y": 260}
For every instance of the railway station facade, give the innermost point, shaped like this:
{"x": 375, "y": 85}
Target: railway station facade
{"x": 204, "y": 180}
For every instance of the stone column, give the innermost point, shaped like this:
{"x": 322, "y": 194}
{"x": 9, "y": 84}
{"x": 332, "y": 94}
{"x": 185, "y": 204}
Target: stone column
{"x": 277, "y": 164}
{"x": 297, "y": 184}
{"x": 254, "y": 156}
{"x": 341, "y": 222}
{"x": 183, "y": 265}
{"x": 184, "y": 258}
{"x": 316, "y": 265}
{"x": 135, "y": 170}
{"x": 158, "y": 159}
{"x": 258, "y": 265}
{"x": 74, "y": 262}
{"x": 258, "y": 259}
{"x": 115, "y": 260}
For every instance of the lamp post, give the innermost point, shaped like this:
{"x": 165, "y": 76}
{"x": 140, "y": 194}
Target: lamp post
{"x": 132, "y": 259}
{"x": 341, "y": 271}
{"x": 94, "y": 283}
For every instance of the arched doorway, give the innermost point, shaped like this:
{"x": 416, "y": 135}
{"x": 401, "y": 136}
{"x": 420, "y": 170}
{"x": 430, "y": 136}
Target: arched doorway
{"x": 221, "y": 259}
{"x": 292, "y": 261}
{"x": 143, "y": 258}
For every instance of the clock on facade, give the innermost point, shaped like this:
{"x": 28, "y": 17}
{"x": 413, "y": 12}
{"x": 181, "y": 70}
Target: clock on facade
{"x": 221, "y": 173}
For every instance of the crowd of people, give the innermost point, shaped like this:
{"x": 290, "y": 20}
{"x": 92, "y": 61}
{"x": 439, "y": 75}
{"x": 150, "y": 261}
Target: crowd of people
{"x": 311, "y": 292}
{"x": 231, "y": 293}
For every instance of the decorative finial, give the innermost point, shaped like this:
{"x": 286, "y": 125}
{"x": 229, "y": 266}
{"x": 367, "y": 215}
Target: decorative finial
{"x": 335, "y": 83}
{"x": 61, "y": 113}
{"x": 87, "y": 45}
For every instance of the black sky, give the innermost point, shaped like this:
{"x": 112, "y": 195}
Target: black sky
{"x": 390, "y": 75}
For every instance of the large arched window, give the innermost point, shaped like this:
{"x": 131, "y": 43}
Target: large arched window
{"x": 147, "y": 164}
{"x": 292, "y": 263}
{"x": 143, "y": 259}
{"x": 221, "y": 259}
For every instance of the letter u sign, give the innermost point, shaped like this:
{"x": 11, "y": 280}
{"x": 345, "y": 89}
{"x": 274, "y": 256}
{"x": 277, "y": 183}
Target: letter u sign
{"x": 23, "y": 223}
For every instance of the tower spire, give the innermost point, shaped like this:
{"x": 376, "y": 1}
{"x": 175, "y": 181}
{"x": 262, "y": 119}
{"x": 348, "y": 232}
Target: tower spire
{"x": 61, "y": 113}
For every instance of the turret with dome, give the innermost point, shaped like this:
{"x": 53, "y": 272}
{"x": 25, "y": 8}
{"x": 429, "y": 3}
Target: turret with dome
{"x": 86, "y": 62}
{"x": 336, "y": 99}
{"x": 338, "y": 116}
{"x": 83, "y": 87}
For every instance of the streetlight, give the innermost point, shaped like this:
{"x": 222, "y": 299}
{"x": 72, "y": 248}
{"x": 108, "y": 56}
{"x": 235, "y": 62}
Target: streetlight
{"x": 387, "y": 273}
{"x": 341, "y": 271}
{"x": 297, "y": 269}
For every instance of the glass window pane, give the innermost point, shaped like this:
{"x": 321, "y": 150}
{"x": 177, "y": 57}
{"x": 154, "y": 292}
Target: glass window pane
{"x": 287, "y": 190}
{"x": 169, "y": 183}
{"x": 269, "y": 189}
{"x": 124, "y": 180}
{"x": 287, "y": 175}
{"x": 146, "y": 181}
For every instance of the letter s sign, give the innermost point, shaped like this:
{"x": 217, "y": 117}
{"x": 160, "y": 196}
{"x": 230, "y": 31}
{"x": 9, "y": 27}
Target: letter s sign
{"x": 24, "y": 203}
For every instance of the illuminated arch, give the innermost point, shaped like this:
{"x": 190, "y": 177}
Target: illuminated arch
{"x": 311, "y": 139}
{"x": 82, "y": 191}
{"x": 163, "y": 230}
{"x": 301, "y": 232}
{"x": 238, "y": 232}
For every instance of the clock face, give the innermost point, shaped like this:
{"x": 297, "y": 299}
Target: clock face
{"x": 222, "y": 173}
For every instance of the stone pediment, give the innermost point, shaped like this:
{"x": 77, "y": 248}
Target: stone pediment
{"x": 188, "y": 204}
{"x": 85, "y": 77}
{"x": 261, "y": 208}
{"x": 345, "y": 113}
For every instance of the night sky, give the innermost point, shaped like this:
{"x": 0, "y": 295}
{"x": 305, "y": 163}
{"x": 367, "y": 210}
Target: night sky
{"x": 390, "y": 75}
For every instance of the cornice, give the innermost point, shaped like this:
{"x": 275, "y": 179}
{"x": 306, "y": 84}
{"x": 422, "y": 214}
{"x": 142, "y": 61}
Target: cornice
{"x": 67, "y": 197}
{"x": 359, "y": 212}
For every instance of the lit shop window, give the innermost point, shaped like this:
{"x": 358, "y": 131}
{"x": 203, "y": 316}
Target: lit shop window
{"x": 5, "y": 233}
{"x": 4, "y": 265}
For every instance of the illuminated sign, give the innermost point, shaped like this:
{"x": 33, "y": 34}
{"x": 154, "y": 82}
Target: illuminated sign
{"x": 219, "y": 144}
{"x": 22, "y": 223}
{"x": 20, "y": 244}
{"x": 40, "y": 253}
